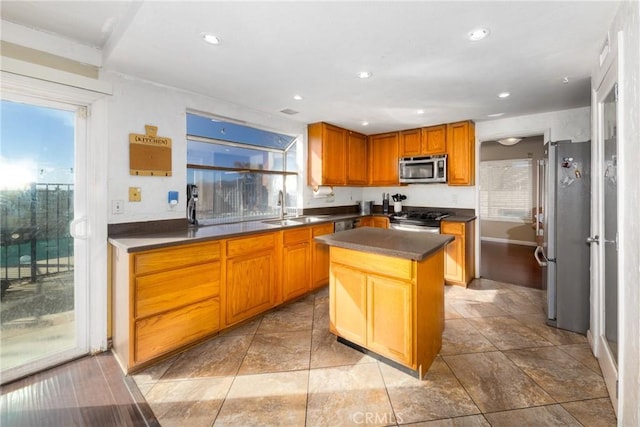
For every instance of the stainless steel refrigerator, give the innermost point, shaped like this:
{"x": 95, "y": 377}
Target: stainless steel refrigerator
{"x": 563, "y": 225}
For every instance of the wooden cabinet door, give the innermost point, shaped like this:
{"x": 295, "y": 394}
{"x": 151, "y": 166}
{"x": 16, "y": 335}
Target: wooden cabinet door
{"x": 383, "y": 159}
{"x": 454, "y": 256}
{"x": 296, "y": 269}
{"x": 411, "y": 142}
{"x": 356, "y": 159}
{"x": 320, "y": 257}
{"x": 461, "y": 150}
{"x": 326, "y": 161}
{"x": 348, "y": 302}
{"x": 380, "y": 222}
{"x": 250, "y": 284}
{"x": 434, "y": 140}
{"x": 389, "y": 318}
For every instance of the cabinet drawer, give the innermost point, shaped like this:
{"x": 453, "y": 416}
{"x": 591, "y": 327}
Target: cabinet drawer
{"x": 163, "y": 291}
{"x": 250, "y": 244}
{"x": 168, "y": 331}
{"x": 379, "y": 264}
{"x": 297, "y": 235}
{"x": 322, "y": 229}
{"x": 456, "y": 228}
{"x": 167, "y": 259}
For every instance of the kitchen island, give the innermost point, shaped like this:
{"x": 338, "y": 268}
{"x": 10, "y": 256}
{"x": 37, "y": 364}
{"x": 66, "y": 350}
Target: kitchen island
{"x": 386, "y": 292}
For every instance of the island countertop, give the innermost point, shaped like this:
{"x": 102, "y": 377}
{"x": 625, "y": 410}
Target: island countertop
{"x": 395, "y": 243}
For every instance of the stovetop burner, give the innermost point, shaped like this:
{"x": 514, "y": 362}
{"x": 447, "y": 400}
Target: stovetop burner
{"x": 427, "y": 218}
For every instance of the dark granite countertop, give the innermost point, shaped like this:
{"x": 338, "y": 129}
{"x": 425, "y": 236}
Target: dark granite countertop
{"x": 395, "y": 243}
{"x": 143, "y": 242}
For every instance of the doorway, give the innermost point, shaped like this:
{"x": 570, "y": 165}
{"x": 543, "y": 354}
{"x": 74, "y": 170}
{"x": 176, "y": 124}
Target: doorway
{"x": 507, "y": 210}
{"x": 43, "y": 253}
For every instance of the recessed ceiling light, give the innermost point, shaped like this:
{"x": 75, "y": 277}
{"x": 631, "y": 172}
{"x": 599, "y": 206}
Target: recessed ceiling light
{"x": 504, "y": 95}
{"x": 365, "y": 123}
{"x": 478, "y": 34}
{"x": 210, "y": 38}
{"x": 565, "y": 80}
{"x": 297, "y": 97}
{"x": 495, "y": 115}
{"x": 364, "y": 74}
{"x": 420, "y": 111}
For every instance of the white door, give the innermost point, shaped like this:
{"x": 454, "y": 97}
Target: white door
{"x": 44, "y": 251}
{"x": 604, "y": 239}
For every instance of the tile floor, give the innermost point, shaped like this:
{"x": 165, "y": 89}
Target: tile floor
{"x": 500, "y": 365}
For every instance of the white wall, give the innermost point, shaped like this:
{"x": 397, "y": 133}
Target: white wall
{"x": 426, "y": 195}
{"x": 628, "y": 22}
{"x": 136, "y": 103}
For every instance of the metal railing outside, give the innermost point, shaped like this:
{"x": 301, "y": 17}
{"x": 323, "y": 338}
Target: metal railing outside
{"x": 34, "y": 231}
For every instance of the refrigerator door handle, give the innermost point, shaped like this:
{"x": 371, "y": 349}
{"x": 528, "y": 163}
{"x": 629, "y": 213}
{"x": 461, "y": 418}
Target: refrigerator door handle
{"x": 537, "y": 253}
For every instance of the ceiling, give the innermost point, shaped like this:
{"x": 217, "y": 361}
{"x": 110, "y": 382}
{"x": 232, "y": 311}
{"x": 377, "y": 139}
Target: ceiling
{"x": 418, "y": 52}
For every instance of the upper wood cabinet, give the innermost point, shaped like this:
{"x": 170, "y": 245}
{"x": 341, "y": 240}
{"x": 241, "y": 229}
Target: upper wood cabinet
{"x": 336, "y": 156}
{"x": 356, "y": 159}
{"x": 383, "y": 159}
{"x": 434, "y": 140}
{"x": 423, "y": 141}
{"x": 411, "y": 142}
{"x": 461, "y": 149}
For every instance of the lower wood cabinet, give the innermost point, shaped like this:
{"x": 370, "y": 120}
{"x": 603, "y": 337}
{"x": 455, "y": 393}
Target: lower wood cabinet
{"x": 163, "y": 300}
{"x": 251, "y": 271}
{"x": 296, "y": 262}
{"x": 392, "y": 306}
{"x": 459, "y": 254}
{"x": 375, "y": 221}
{"x": 320, "y": 256}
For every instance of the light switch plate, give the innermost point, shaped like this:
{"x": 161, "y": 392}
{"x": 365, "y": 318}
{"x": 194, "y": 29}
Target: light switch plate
{"x": 135, "y": 194}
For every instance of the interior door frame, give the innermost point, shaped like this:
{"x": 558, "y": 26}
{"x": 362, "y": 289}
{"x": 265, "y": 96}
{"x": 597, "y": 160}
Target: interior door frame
{"x": 596, "y": 333}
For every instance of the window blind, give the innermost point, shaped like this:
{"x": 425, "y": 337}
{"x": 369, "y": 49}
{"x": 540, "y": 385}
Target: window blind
{"x": 506, "y": 190}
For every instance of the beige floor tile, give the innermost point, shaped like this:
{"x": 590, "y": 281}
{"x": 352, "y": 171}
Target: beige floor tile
{"x": 293, "y": 317}
{"x": 321, "y": 313}
{"x": 553, "y": 415}
{"x": 559, "y": 374}
{"x": 277, "y": 399}
{"x": 538, "y": 324}
{"x": 507, "y": 333}
{"x": 592, "y": 413}
{"x": 220, "y": 356}
{"x": 153, "y": 373}
{"x": 517, "y": 303}
{"x": 450, "y": 312}
{"x": 287, "y": 351}
{"x": 326, "y": 351}
{"x": 472, "y": 309}
{"x": 190, "y": 403}
{"x": 245, "y": 328}
{"x": 469, "y": 421}
{"x": 582, "y": 353}
{"x": 461, "y": 337}
{"x": 348, "y": 396}
{"x": 438, "y": 395}
{"x": 495, "y": 383}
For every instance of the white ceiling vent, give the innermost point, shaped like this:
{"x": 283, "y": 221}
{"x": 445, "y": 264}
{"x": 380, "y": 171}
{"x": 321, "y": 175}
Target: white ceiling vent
{"x": 289, "y": 111}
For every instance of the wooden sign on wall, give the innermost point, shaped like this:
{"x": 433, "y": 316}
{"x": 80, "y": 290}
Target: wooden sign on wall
{"x": 149, "y": 154}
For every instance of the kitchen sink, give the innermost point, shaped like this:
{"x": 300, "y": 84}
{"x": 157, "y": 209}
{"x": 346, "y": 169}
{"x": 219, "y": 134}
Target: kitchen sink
{"x": 309, "y": 219}
{"x": 281, "y": 222}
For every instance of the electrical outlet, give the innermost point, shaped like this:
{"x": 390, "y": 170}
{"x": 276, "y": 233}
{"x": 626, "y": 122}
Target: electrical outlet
{"x": 135, "y": 194}
{"x": 117, "y": 207}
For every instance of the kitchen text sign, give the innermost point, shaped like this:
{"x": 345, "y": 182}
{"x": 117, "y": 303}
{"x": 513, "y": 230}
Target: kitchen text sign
{"x": 149, "y": 154}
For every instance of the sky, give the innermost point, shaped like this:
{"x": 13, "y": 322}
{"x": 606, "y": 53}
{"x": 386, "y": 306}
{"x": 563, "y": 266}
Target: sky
{"x": 36, "y": 144}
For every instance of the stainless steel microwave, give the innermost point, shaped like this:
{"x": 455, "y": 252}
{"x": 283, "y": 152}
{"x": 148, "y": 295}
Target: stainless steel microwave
{"x": 423, "y": 169}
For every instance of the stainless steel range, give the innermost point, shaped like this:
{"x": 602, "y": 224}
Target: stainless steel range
{"x": 421, "y": 221}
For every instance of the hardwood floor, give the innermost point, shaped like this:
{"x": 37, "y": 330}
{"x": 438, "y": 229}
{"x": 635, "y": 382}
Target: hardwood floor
{"x": 91, "y": 391}
{"x": 511, "y": 264}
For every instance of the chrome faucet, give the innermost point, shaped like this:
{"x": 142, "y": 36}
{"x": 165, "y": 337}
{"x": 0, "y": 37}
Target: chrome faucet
{"x": 281, "y": 204}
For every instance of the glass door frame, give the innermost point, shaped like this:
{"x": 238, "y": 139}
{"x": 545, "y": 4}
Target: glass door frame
{"x": 598, "y": 339}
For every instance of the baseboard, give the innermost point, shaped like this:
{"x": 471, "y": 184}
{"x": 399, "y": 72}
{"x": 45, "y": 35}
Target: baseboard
{"x": 511, "y": 242}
